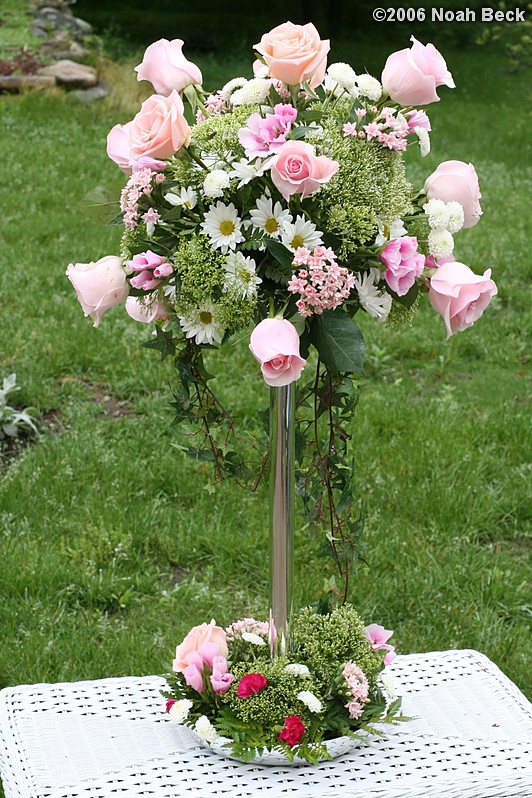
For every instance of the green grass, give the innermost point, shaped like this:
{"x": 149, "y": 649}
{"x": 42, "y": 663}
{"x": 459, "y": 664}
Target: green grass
{"x": 111, "y": 546}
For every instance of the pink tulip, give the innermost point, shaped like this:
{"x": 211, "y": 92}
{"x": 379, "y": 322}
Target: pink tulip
{"x": 297, "y": 170}
{"x": 166, "y": 68}
{"x": 194, "y": 678}
{"x": 275, "y": 344}
{"x": 459, "y": 295}
{"x": 220, "y": 679}
{"x": 411, "y": 76}
{"x": 458, "y": 181}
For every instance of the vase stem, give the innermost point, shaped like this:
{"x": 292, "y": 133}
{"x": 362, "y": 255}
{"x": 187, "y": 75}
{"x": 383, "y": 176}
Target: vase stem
{"x": 282, "y": 413}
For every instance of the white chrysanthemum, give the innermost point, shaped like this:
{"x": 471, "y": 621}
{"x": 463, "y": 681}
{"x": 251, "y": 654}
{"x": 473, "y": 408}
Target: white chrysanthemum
{"x": 424, "y": 140}
{"x": 222, "y": 225}
{"x": 205, "y": 729}
{"x": 201, "y": 324}
{"x": 297, "y": 669}
{"x": 345, "y": 77}
{"x": 215, "y": 183}
{"x": 375, "y": 302}
{"x": 270, "y": 218}
{"x": 254, "y": 91}
{"x": 240, "y": 277}
{"x": 301, "y": 233}
{"x": 456, "y": 216}
{"x": 255, "y": 640}
{"x": 232, "y": 85}
{"x": 310, "y": 700}
{"x": 179, "y": 711}
{"x": 388, "y": 684}
{"x": 187, "y": 197}
{"x": 369, "y": 87}
{"x": 441, "y": 243}
{"x": 334, "y": 88}
{"x": 387, "y": 232}
{"x": 438, "y": 214}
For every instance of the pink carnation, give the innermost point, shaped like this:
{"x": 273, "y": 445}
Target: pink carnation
{"x": 265, "y": 135}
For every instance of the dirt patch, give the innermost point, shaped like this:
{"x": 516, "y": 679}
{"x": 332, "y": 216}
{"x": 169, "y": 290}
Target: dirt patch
{"x": 111, "y": 406}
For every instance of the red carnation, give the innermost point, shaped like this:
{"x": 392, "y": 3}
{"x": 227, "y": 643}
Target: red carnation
{"x": 292, "y": 731}
{"x": 251, "y": 684}
{"x": 169, "y": 704}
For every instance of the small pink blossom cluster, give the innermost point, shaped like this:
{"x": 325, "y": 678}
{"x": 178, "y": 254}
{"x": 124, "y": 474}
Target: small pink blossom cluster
{"x": 323, "y": 285}
{"x": 264, "y": 136}
{"x": 358, "y": 688}
{"x": 213, "y": 105}
{"x": 250, "y": 625}
{"x": 138, "y": 184}
{"x": 387, "y": 128}
{"x": 151, "y": 268}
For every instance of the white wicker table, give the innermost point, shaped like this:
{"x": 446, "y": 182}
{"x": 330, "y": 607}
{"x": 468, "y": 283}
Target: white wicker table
{"x": 103, "y": 739}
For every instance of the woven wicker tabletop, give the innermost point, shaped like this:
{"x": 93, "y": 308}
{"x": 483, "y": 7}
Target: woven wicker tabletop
{"x": 470, "y": 738}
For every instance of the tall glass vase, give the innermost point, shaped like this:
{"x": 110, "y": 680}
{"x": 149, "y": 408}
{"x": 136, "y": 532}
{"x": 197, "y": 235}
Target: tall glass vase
{"x": 282, "y": 490}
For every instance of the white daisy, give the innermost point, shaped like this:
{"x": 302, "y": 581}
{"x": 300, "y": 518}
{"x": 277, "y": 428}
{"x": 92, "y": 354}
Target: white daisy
{"x": 244, "y": 171}
{"x": 180, "y": 709}
{"x": 441, "y": 243}
{"x": 301, "y": 233}
{"x": 254, "y": 91}
{"x": 369, "y": 87}
{"x": 215, "y": 183}
{"x": 270, "y": 218}
{"x": 254, "y": 639}
{"x": 201, "y": 324}
{"x": 296, "y": 669}
{"x": 222, "y": 225}
{"x": 456, "y": 216}
{"x": 205, "y": 729}
{"x": 424, "y": 140}
{"x": 240, "y": 277}
{"x": 387, "y": 232}
{"x": 310, "y": 700}
{"x": 187, "y": 197}
{"x": 375, "y": 302}
{"x": 438, "y": 214}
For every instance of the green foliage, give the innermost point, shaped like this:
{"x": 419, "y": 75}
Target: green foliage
{"x": 339, "y": 341}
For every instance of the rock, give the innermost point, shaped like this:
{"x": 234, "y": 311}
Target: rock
{"x": 75, "y": 52}
{"x": 60, "y": 5}
{"x": 20, "y": 82}
{"x": 38, "y": 30}
{"x": 71, "y": 74}
{"x": 89, "y": 96}
{"x": 84, "y": 27}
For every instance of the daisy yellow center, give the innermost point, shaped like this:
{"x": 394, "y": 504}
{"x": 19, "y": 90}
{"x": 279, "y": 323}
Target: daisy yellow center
{"x": 271, "y": 225}
{"x": 227, "y": 228}
{"x": 245, "y": 276}
{"x": 297, "y": 241}
{"x": 205, "y": 317}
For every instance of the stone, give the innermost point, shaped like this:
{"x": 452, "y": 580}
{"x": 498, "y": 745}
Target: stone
{"x": 84, "y": 27}
{"x": 98, "y": 92}
{"x": 71, "y": 74}
{"x": 38, "y": 30}
{"x": 19, "y": 82}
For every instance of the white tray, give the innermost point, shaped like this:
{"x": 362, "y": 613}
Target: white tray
{"x": 109, "y": 738}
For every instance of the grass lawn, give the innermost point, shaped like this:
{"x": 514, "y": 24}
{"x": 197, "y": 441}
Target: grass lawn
{"x": 110, "y": 544}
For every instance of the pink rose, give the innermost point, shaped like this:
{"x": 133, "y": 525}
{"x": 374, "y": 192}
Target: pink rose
{"x": 190, "y": 648}
{"x": 118, "y": 148}
{"x": 250, "y": 684}
{"x": 275, "y": 344}
{"x": 99, "y": 285}
{"x": 159, "y": 129}
{"x": 411, "y": 77}
{"x": 297, "y": 170}
{"x": 459, "y": 295}
{"x": 166, "y": 68}
{"x": 458, "y": 181}
{"x": 295, "y": 54}
{"x": 404, "y": 263}
{"x": 146, "y": 313}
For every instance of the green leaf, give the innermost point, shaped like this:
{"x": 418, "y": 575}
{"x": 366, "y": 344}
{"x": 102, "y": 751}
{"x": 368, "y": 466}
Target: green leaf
{"x": 163, "y": 342}
{"x": 339, "y": 341}
{"x": 281, "y": 254}
{"x": 102, "y": 204}
{"x": 409, "y": 298}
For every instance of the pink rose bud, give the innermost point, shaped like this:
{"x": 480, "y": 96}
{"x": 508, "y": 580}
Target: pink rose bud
{"x": 166, "y": 68}
{"x": 411, "y": 77}
{"x": 295, "y": 54}
{"x": 459, "y": 295}
{"x": 297, "y": 170}
{"x": 194, "y": 678}
{"x": 99, "y": 285}
{"x": 159, "y": 129}
{"x": 275, "y": 344}
{"x": 457, "y": 181}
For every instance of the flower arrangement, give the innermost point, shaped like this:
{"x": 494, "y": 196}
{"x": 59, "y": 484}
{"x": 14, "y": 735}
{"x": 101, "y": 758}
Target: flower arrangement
{"x": 331, "y": 684}
{"x": 286, "y": 205}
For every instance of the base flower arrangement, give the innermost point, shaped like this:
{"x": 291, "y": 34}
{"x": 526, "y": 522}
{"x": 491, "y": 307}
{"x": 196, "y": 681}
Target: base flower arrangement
{"x": 331, "y": 684}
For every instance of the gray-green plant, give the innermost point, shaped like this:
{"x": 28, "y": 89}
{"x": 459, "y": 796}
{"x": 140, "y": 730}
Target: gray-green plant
{"x": 14, "y": 422}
